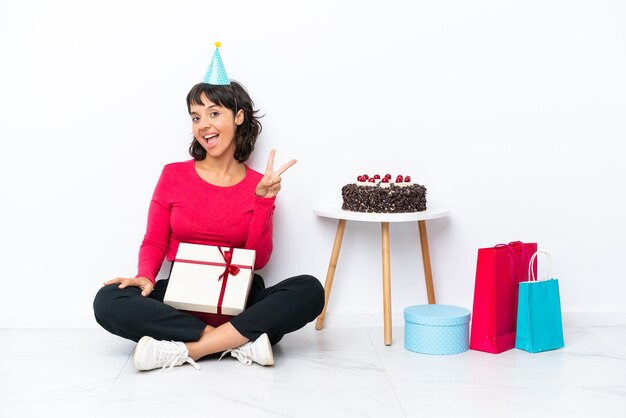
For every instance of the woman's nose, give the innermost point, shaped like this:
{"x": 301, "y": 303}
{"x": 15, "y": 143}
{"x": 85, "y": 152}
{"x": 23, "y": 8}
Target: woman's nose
{"x": 205, "y": 122}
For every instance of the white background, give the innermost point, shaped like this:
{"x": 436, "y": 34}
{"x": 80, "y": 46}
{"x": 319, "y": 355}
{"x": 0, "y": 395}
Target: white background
{"x": 511, "y": 113}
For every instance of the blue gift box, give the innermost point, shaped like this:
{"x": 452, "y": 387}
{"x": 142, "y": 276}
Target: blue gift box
{"x": 436, "y": 329}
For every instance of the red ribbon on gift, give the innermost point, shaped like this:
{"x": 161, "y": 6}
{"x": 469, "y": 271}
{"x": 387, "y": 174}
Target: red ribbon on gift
{"x": 228, "y": 257}
{"x": 229, "y": 268}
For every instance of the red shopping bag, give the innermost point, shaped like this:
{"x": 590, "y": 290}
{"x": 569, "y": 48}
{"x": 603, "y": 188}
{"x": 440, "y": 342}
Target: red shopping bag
{"x": 499, "y": 270}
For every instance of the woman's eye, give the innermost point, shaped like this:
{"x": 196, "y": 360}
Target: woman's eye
{"x": 215, "y": 114}
{"x": 195, "y": 119}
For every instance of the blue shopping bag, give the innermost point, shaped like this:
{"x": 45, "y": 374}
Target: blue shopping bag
{"x": 539, "y": 323}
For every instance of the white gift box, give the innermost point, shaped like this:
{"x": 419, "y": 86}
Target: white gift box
{"x": 210, "y": 279}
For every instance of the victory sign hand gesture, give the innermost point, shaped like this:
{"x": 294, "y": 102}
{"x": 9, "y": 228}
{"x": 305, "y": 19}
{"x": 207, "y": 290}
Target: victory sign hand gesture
{"x": 270, "y": 183}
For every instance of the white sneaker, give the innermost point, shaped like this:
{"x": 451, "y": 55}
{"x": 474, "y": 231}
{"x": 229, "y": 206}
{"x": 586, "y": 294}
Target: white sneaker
{"x": 258, "y": 351}
{"x": 152, "y": 354}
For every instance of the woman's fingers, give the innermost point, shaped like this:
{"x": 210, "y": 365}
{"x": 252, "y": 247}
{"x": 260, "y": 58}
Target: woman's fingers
{"x": 123, "y": 281}
{"x": 113, "y": 281}
{"x": 128, "y": 282}
{"x": 270, "y": 183}
{"x": 145, "y": 291}
{"x": 270, "y": 164}
{"x": 270, "y": 161}
{"x": 143, "y": 283}
{"x": 286, "y": 166}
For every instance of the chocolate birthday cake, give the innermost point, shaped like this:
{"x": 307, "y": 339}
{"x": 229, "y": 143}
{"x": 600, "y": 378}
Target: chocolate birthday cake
{"x": 381, "y": 195}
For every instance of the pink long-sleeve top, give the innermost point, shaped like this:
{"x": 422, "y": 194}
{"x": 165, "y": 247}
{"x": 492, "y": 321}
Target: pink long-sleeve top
{"x": 185, "y": 208}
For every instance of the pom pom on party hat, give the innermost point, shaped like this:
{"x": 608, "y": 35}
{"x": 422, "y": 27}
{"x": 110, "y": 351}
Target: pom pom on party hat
{"x": 216, "y": 73}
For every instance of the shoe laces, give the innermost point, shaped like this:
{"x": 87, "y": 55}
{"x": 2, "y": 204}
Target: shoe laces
{"x": 171, "y": 354}
{"x": 242, "y": 353}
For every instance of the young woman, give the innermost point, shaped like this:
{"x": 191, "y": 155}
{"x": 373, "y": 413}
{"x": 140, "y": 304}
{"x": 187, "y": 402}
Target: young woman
{"x": 212, "y": 199}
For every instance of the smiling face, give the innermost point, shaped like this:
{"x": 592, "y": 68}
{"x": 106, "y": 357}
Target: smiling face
{"x": 214, "y": 127}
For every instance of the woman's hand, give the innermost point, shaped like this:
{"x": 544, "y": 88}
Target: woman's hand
{"x": 143, "y": 283}
{"x": 270, "y": 183}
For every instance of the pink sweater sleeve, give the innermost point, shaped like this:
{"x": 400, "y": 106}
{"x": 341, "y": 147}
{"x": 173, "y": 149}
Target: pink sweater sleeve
{"x": 260, "y": 237}
{"x": 156, "y": 240}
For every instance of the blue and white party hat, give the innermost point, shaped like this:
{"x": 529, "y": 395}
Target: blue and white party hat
{"x": 216, "y": 73}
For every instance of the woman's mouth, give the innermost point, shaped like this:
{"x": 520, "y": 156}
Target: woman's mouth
{"x": 211, "y": 140}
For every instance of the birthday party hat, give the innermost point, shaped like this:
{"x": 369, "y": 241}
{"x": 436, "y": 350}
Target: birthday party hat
{"x": 216, "y": 73}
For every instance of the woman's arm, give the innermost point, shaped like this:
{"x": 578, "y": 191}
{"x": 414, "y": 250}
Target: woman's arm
{"x": 260, "y": 237}
{"x": 156, "y": 240}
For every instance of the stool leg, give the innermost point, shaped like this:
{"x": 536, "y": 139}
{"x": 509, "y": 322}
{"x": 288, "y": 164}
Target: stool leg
{"x": 330, "y": 274}
{"x": 386, "y": 282}
{"x": 428, "y": 274}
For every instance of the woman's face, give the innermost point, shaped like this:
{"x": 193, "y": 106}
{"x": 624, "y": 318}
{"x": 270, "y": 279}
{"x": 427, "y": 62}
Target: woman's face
{"x": 214, "y": 127}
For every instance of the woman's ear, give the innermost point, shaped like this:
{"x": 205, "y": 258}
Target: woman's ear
{"x": 239, "y": 118}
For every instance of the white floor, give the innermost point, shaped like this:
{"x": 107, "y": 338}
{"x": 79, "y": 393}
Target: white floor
{"x": 336, "y": 372}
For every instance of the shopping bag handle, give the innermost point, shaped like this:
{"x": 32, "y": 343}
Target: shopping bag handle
{"x": 531, "y": 272}
{"x": 512, "y": 255}
{"x": 510, "y": 247}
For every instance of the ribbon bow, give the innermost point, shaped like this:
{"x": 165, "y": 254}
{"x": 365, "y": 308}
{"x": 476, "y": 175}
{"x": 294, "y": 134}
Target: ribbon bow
{"x": 228, "y": 257}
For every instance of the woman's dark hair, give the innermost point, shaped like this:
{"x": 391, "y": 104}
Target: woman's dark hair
{"x": 233, "y": 97}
